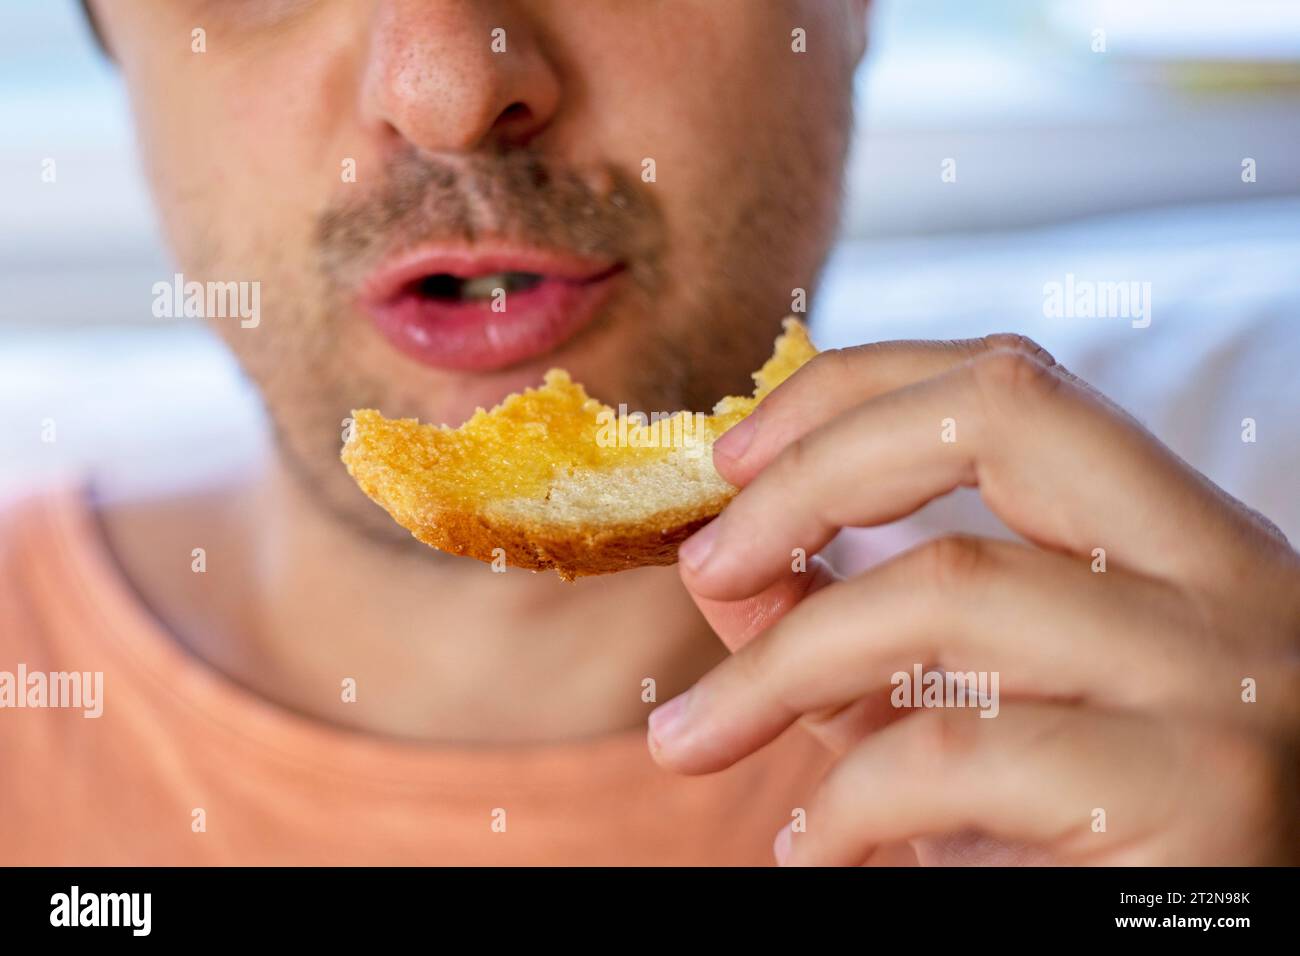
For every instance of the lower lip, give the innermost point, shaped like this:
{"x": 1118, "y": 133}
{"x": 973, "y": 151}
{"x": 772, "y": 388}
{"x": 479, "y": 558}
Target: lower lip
{"x": 470, "y": 336}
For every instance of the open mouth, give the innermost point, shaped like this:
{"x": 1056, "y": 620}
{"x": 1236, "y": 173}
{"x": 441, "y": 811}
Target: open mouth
{"x": 446, "y": 287}
{"x": 481, "y": 310}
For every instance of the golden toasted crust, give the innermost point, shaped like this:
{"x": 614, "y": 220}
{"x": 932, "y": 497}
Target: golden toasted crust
{"x": 395, "y": 463}
{"x": 571, "y": 553}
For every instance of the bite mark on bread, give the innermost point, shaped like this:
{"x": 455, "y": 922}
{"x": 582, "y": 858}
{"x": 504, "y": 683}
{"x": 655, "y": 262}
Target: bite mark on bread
{"x": 531, "y": 482}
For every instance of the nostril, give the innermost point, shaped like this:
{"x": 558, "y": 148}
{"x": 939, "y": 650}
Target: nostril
{"x": 514, "y": 113}
{"x": 515, "y": 123}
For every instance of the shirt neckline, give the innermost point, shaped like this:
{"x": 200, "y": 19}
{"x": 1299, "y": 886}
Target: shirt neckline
{"x": 142, "y": 642}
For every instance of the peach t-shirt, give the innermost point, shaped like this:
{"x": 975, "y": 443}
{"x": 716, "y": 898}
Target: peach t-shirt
{"x": 175, "y": 737}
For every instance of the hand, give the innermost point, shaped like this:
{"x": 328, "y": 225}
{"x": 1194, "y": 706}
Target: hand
{"x": 1125, "y": 694}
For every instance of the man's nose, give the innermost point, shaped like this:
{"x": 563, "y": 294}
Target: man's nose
{"x": 454, "y": 76}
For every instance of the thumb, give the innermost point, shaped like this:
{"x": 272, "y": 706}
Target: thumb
{"x": 739, "y": 622}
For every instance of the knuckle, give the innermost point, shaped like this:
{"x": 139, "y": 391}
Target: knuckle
{"x": 1019, "y": 344}
{"x": 941, "y": 738}
{"x": 831, "y": 370}
{"x": 795, "y": 461}
{"x": 755, "y": 661}
{"x": 953, "y": 562}
{"x": 1011, "y": 377}
{"x": 749, "y": 665}
{"x": 833, "y": 362}
{"x": 767, "y": 669}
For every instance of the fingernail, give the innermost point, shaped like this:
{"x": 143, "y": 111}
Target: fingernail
{"x": 695, "y": 550}
{"x": 782, "y": 844}
{"x": 667, "y": 721}
{"x": 735, "y": 441}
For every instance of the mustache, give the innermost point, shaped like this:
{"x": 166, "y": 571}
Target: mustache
{"x": 518, "y": 197}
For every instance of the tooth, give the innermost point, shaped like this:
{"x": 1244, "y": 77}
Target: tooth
{"x": 484, "y": 286}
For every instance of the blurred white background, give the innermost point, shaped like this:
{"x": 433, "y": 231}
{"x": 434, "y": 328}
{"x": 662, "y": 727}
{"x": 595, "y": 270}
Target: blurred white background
{"x": 1117, "y": 165}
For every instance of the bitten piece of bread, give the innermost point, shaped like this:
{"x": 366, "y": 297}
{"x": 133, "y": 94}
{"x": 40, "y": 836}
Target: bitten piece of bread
{"x": 555, "y": 480}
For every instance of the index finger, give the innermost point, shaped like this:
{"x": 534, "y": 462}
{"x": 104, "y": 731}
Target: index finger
{"x": 1059, "y": 465}
{"x": 835, "y": 381}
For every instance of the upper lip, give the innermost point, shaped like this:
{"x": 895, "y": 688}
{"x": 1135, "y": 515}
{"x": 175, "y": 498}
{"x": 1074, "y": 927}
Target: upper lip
{"x": 397, "y": 274}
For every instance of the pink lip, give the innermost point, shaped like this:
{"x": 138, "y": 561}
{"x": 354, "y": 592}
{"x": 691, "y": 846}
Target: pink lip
{"x": 470, "y": 336}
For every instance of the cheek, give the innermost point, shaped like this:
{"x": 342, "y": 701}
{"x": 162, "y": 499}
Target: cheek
{"x": 727, "y": 110}
{"x": 236, "y": 172}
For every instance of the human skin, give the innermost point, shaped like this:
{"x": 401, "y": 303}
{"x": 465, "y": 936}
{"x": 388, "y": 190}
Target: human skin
{"x": 308, "y": 581}
{"x": 1161, "y": 689}
{"x": 748, "y": 140}
{"x": 311, "y": 583}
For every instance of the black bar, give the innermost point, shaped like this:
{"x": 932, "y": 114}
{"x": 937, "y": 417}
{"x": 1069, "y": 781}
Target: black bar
{"x": 301, "y": 905}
